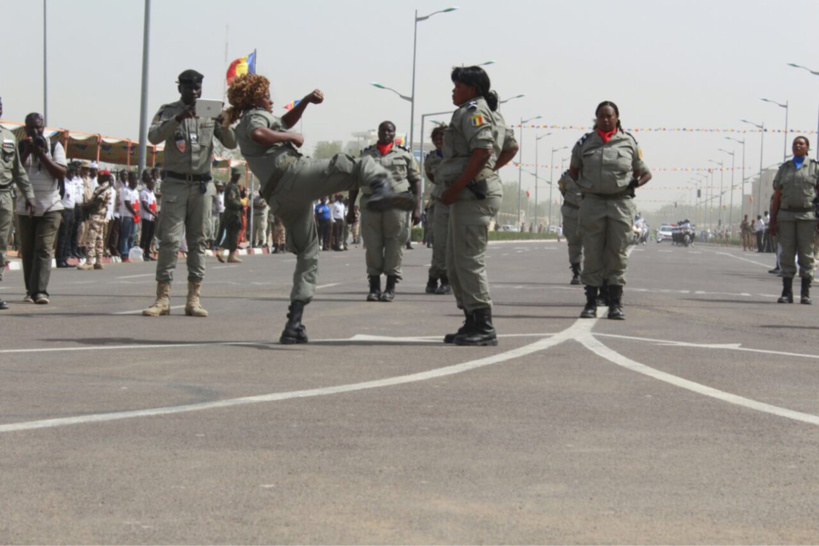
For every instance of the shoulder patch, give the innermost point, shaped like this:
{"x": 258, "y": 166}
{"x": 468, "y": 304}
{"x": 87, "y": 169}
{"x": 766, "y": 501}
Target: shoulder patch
{"x": 583, "y": 139}
{"x": 473, "y": 105}
{"x": 477, "y": 120}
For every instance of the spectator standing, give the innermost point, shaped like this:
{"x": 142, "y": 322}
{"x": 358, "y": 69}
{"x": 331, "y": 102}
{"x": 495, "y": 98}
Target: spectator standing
{"x": 45, "y": 164}
{"x": 217, "y": 216}
{"x": 147, "y": 213}
{"x": 323, "y": 219}
{"x": 96, "y": 209}
{"x": 759, "y": 230}
{"x": 338, "y": 212}
{"x": 66, "y": 231}
{"x": 260, "y": 210}
{"x": 232, "y": 218}
{"x": 129, "y": 205}
{"x": 11, "y": 173}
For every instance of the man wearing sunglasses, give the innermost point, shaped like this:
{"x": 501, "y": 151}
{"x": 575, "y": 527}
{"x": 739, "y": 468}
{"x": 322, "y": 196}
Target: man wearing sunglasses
{"x": 187, "y": 190}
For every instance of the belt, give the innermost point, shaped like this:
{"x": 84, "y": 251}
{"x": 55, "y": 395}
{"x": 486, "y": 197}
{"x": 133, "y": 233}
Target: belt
{"x": 570, "y": 205}
{"x": 190, "y": 177}
{"x": 610, "y": 196}
{"x": 803, "y": 209}
{"x": 278, "y": 171}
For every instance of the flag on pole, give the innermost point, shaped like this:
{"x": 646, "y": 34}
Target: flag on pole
{"x": 527, "y": 194}
{"x": 401, "y": 140}
{"x": 290, "y": 105}
{"x": 242, "y": 65}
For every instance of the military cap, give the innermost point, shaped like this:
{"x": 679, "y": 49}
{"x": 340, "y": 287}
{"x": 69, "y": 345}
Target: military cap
{"x": 237, "y": 170}
{"x": 190, "y": 76}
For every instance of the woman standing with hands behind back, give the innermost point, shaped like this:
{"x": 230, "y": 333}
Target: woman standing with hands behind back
{"x": 476, "y": 145}
{"x": 608, "y": 165}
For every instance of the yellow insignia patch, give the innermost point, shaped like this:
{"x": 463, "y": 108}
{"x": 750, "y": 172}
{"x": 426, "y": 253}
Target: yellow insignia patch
{"x": 639, "y": 153}
{"x": 477, "y": 120}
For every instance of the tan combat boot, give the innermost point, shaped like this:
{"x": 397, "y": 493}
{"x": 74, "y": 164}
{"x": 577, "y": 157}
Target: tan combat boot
{"x": 192, "y": 307}
{"x": 233, "y": 259}
{"x": 219, "y": 255}
{"x": 98, "y": 265}
{"x": 162, "y": 305}
{"x": 85, "y": 267}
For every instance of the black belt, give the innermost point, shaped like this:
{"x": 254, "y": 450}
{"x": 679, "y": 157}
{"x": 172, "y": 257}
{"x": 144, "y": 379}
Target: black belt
{"x": 189, "y": 177}
{"x": 608, "y": 196}
{"x": 803, "y": 209}
{"x": 570, "y": 205}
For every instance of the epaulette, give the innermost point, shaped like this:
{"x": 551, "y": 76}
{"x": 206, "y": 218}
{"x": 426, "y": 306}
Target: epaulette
{"x": 583, "y": 139}
{"x": 402, "y": 147}
{"x": 368, "y": 148}
{"x": 473, "y": 105}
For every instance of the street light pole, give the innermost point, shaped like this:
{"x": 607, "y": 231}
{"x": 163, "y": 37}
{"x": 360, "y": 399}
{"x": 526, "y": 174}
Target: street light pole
{"x": 761, "y": 157}
{"x": 785, "y": 106}
{"x": 815, "y": 73}
{"x": 143, "y": 103}
{"x": 45, "y": 64}
{"x": 742, "y": 189}
{"x": 719, "y": 210}
{"x": 731, "y": 210}
{"x": 552, "y": 178}
{"x": 520, "y": 161}
{"x": 537, "y": 148}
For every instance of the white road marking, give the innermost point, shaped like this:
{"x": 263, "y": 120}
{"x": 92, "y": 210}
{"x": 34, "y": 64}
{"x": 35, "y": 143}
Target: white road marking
{"x": 728, "y": 346}
{"x": 567, "y": 334}
{"x": 743, "y": 259}
{"x": 319, "y": 287}
{"x": 589, "y": 341}
{"x": 121, "y": 347}
{"x": 220, "y": 267}
{"x": 139, "y": 311}
{"x": 137, "y": 276}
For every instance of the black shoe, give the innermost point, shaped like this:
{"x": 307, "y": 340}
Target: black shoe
{"x": 375, "y": 288}
{"x": 575, "y": 274}
{"x": 3, "y": 305}
{"x": 616, "y": 303}
{"x": 445, "y": 288}
{"x": 432, "y": 285}
{"x": 805, "y": 299}
{"x": 774, "y": 271}
{"x": 787, "y": 291}
{"x": 590, "y": 310}
{"x": 481, "y": 333}
{"x": 384, "y": 198}
{"x": 389, "y": 290}
{"x": 62, "y": 265}
{"x": 450, "y": 338}
{"x": 294, "y": 331}
{"x": 409, "y": 245}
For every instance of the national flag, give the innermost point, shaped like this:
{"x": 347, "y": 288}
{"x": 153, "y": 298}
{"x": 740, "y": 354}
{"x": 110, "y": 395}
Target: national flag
{"x": 401, "y": 140}
{"x": 242, "y": 65}
{"x": 292, "y": 104}
{"x": 527, "y": 194}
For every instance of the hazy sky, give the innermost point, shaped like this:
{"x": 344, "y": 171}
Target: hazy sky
{"x": 681, "y": 63}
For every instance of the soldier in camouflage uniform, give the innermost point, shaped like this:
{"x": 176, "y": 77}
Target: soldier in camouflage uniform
{"x": 96, "y": 207}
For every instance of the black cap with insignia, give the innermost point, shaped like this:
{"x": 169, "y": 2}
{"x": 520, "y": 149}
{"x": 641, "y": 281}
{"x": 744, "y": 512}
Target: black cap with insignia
{"x": 190, "y": 76}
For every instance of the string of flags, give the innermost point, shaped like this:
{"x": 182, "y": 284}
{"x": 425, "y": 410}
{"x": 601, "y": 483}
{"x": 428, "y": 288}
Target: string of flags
{"x": 669, "y": 129}
{"x": 653, "y": 169}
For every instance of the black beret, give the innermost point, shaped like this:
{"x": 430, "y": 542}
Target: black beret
{"x": 190, "y": 76}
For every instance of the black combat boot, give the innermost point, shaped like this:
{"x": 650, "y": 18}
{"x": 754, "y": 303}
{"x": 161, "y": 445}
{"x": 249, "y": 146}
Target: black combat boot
{"x": 575, "y": 274}
{"x": 806, "y": 291}
{"x": 375, "y": 288}
{"x": 787, "y": 291}
{"x": 616, "y": 303}
{"x": 450, "y": 338}
{"x": 445, "y": 288}
{"x": 294, "y": 330}
{"x": 389, "y": 290}
{"x": 432, "y": 285}
{"x": 603, "y": 295}
{"x": 481, "y": 333}
{"x": 384, "y": 198}
{"x": 590, "y": 311}
{"x": 3, "y": 305}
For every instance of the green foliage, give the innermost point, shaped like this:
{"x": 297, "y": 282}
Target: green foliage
{"x": 326, "y": 150}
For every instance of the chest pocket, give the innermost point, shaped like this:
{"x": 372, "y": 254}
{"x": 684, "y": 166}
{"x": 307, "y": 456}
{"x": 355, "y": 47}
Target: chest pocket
{"x": 398, "y": 168}
{"x": 617, "y": 160}
{"x": 7, "y": 153}
{"x": 800, "y": 190}
{"x": 205, "y": 133}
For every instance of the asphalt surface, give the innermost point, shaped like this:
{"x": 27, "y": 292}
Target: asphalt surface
{"x": 696, "y": 420}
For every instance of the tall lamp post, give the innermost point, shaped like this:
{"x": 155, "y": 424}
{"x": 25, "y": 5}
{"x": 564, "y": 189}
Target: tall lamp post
{"x": 520, "y": 160}
{"x": 815, "y": 73}
{"x": 552, "y": 177}
{"x": 742, "y": 188}
{"x": 761, "y": 156}
{"x": 536, "y": 182}
{"x": 731, "y": 200}
{"x": 721, "y": 172}
{"x": 785, "y": 106}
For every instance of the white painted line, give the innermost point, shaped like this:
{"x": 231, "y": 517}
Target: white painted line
{"x": 327, "y": 285}
{"x": 727, "y": 346}
{"x": 743, "y": 259}
{"x": 221, "y": 267}
{"x": 137, "y": 276}
{"x": 589, "y": 341}
{"x": 154, "y": 346}
{"x": 569, "y": 333}
{"x": 139, "y": 311}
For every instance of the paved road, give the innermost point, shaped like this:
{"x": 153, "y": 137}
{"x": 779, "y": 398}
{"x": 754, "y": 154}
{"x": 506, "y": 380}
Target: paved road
{"x": 694, "y": 421}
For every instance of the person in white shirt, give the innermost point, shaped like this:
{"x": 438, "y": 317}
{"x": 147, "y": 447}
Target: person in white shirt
{"x": 337, "y": 214}
{"x": 217, "y": 226}
{"x": 128, "y": 212}
{"x": 67, "y": 224}
{"x": 759, "y": 230}
{"x": 45, "y": 165}
{"x": 147, "y": 212}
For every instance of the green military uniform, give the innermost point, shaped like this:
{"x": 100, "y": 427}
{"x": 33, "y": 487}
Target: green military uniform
{"x": 473, "y": 126}
{"x": 96, "y": 207}
{"x": 385, "y": 233}
{"x": 290, "y": 183}
{"x": 233, "y": 215}
{"x": 572, "y": 198}
{"x": 606, "y": 210}
{"x": 11, "y": 172}
{"x": 440, "y": 217}
{"x": 187, "y": 189}
{"x": 796, "y": 219}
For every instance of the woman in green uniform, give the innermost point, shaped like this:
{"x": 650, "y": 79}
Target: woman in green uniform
{"x": 793, "y": 218}
{"x": 608, "y": 165}
{"x": 290, "y": 182}
{"x": 439, "y": 219}
{"x": 475, "y": 147}
{"x": 386, "y": 232}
